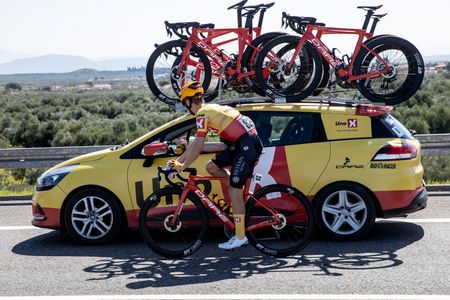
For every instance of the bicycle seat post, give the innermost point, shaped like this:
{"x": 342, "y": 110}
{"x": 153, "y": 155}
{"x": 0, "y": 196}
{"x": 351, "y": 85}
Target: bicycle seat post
{"x": 239, "y": 17}
{"x": 366, "y": 21}
{"x": 376, "y": 19}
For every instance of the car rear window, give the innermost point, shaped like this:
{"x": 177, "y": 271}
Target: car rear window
{"x": 387, "y": 126}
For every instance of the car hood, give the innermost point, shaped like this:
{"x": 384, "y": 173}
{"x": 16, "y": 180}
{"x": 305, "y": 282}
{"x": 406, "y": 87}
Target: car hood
{"x": 93, "y": 156}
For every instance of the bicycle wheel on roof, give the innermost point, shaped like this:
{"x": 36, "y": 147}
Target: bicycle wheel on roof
{"x": 280, "y": 72}
{"x": 406, "y": 72}
{"x": 295, "y": 228}
{"x": 165, "y": 76}
{"x": 169, "y": 235}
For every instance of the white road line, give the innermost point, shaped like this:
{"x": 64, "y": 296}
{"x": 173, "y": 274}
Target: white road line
{"x": 434, "y": 220}
{"x": 241, "y": 296}
{"x": 18, "y": 227}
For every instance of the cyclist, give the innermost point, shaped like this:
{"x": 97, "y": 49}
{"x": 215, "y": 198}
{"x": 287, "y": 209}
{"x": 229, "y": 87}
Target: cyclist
{"x": 240, "y": 149}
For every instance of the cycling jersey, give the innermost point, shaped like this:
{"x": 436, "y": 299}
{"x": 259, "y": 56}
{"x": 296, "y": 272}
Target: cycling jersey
{"x": 224, "y": 120}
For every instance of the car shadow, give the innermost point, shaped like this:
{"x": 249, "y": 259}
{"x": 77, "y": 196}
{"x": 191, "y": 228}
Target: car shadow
{"x": 129, "y": 257}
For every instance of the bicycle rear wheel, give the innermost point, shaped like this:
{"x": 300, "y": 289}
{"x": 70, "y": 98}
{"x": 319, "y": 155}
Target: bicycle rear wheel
{"x": 278, "y": 79}
{"x": 294, "y": 231}
{"x": 161, "y": 73}
{"x": 250, "y": 55}
{"x": 188, "y": 232}
{"x": 401, "y": 82}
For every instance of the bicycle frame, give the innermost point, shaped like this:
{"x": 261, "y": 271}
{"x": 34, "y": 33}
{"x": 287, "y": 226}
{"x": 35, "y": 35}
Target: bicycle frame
{"x": 191, "y": 186}
{"x": 218, "y": 59}
{"x": 336, "y": 63}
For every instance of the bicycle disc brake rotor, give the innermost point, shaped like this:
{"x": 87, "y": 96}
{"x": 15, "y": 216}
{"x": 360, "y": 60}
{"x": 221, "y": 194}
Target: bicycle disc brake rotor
{"x": 169, "y": 227}
{"x": 174, "y": 73}
{"x": 282, "y": 223}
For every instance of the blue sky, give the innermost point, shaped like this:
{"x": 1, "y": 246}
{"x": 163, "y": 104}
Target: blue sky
{"x": 100, "y": 29}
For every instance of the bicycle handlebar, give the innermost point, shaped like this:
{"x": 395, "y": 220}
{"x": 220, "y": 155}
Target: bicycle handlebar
{"x": 191, "y": 171}
{"x": 298, "y": 24}
{"x": 184, "y": 30}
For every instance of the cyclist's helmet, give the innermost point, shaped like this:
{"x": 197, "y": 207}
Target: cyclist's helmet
{"x": 190, "y": 89}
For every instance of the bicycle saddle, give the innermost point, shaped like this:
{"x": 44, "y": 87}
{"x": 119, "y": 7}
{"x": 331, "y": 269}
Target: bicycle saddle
{"x": 370, "y": 7}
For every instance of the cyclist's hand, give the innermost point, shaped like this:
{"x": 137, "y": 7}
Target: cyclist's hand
{"x": 174, "y": 164}
{"x": 178, "y": 166}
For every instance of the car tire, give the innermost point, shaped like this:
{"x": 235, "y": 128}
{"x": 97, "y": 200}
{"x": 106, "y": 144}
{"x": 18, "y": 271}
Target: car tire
{"x": 92, "y": 216}
{"x": 344, "y": 212}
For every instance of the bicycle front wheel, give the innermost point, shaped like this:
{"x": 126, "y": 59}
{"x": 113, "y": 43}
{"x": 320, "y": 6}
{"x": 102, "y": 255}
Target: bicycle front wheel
{"x": 170, "y": 236}
{"x": 404, "y": 78}
{"x": 296, "y": 226}
{"x": 162, "y": 72}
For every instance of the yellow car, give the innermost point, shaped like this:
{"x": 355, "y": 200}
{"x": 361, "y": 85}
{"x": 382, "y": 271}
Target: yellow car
{"x": 354, "y": 162}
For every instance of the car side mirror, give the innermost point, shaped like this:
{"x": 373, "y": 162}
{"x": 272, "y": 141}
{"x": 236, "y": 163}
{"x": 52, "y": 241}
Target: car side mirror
{"x": 150, "y": 151}
{"x": 155, "y": 149}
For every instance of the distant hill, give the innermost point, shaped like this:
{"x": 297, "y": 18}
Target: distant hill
{"x": 8, "y": 56}
{"x": 436, "y": 58}
{"x": 75, "y": 77}
{"x": 54, "y": 63}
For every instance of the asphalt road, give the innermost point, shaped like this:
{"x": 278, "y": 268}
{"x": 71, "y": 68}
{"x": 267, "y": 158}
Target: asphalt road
{"x": 400, "y": 257}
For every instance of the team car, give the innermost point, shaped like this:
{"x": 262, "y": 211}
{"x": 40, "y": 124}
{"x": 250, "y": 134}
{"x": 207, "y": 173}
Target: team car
{"x": 355, "y": 163}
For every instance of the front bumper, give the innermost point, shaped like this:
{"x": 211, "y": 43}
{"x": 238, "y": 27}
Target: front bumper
{"x": 46, "y": 208}
{"x": 418, "y": 203}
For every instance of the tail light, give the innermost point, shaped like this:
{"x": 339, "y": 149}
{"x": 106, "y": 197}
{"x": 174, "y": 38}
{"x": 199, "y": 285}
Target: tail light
{"x": 397, "y": 151}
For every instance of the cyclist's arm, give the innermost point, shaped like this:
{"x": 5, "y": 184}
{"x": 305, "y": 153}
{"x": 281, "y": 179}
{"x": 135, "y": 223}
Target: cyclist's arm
{"x": 192, "y": 152}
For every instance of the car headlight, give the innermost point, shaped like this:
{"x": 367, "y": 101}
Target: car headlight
{"x": 51, "y": 178}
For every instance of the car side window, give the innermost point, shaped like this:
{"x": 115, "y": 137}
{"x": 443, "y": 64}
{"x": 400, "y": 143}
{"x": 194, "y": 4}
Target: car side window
{"x": 279, "y": 128}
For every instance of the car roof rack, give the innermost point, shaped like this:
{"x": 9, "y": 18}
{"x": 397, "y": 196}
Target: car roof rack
{"x": 332, "y": 101}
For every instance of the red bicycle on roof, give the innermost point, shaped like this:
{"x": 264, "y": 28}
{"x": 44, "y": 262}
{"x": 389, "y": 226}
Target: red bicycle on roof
{"x": 383, "y": 68}
{"x": 198, "y": 56}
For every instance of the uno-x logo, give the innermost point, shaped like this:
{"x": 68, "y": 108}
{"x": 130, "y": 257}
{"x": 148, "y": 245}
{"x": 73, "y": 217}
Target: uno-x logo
{"x": 200, "y": 123}
{"x": 352, "y": 123}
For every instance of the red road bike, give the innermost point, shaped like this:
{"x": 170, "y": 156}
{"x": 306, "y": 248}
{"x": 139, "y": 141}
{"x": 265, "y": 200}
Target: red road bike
{"x": 173, "y": 221}
{"x": 383, "y": 68}
{"x": 198, "y": 55}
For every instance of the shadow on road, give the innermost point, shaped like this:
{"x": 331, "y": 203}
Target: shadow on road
{"x": 131, "y": 258}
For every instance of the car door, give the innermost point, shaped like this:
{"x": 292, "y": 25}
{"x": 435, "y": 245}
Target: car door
{"x": 142, "y": 172}
{"x": 295, "y": 149}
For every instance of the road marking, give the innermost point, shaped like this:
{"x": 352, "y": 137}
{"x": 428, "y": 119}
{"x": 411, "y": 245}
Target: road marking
{"x": 434, "y": 220}
{"x": 18, "y": 227}
{"x": 241, "y": 296}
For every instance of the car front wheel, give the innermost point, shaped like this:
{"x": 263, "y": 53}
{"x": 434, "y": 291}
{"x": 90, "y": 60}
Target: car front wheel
{"x": 92, "y": 216}
{"x": 344, "y": 212}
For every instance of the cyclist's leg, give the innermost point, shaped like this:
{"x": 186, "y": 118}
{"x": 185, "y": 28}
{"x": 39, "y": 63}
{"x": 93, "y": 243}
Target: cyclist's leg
{"x": 241, "y": 169}
{"x": 216, "y": 165}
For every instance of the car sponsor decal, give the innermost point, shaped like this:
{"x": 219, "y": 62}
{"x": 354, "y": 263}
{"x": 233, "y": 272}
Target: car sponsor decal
{"x": 382, "y": 166}
{"x": 348, "y": 165}
{"x": 352, "y": 123}
{"x": 272, "y": 168}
